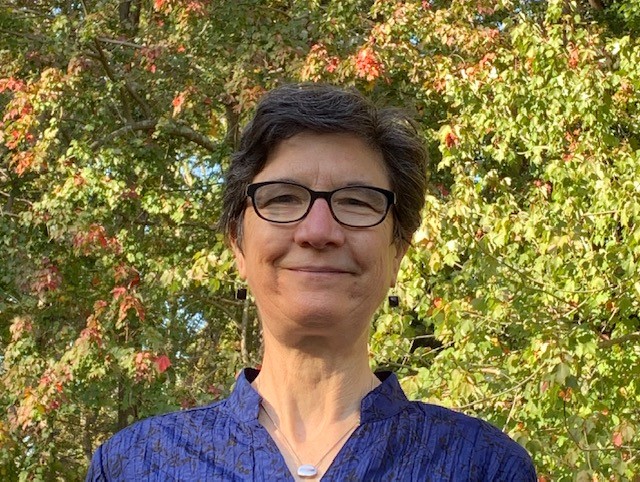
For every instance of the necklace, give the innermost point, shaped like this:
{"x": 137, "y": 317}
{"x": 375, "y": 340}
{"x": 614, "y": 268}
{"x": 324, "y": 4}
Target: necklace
{"x": 307, "y": 470}
{"x": 310, "y": 470}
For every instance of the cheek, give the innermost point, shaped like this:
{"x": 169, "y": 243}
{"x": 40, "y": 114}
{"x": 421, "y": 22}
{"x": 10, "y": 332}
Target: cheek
{"x": 262, "y": 254}
{"x": 387, "y": 252}
{"x": 380, "y": 267}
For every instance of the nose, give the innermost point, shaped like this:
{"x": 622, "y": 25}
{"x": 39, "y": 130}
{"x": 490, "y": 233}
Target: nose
{"x": 319, "y": 229}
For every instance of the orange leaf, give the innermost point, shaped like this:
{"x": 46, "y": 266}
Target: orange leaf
{"x": 450, "y": 139}
{"x": 177, "y": 102}
{"x": 118, "y": 292}
{"x": 617, "y": 439}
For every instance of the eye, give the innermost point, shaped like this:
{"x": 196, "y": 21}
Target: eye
{"x": 279, "y": 196}
{"x": 356, "y": 202}
{"x": 361, "y": 200}
{"x": 281, "y": 199}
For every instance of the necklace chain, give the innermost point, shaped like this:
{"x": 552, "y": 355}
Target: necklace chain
{"x": 315, "y": 466}
{"x": 311, "y": 468}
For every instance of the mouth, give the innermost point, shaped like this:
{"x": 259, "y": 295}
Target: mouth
{"x": 320, "y": 270}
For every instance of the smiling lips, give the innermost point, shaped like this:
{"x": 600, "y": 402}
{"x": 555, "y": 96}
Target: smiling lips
{"x": 320, "y": 270}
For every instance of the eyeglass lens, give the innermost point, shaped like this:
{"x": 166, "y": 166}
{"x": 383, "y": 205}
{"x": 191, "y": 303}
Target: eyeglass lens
{"x": 353, "y": 206}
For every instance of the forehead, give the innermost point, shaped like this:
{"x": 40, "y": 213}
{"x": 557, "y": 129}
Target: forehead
{"x": 325, "y": 161}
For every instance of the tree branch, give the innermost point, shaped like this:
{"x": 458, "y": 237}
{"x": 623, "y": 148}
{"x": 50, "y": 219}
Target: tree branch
{"x": 124, "y": 43}
{"x": 191, "y": 135}
{"x": 618, "y": 341}
{"x": 149, "y": 222}
{"x": 169, "y": 128}
{"x": 27, "y": 36}
{"x": 233, "y": 125}
{"x": 244, "y": 333}
{"x": 127, "y": 85}
{"x": 12, "y": 198}
{"x": 596, "y": 4}
{"x": 135, "y": 126}
{"x": 502, "y": 393}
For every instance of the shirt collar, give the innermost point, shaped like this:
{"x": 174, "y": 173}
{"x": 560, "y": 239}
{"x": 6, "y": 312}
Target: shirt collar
{"x": 384, "y": 401}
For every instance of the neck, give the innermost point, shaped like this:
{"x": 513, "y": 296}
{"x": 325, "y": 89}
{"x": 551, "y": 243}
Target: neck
{"x": 314, "y": 391}
{"x": 311, "y": 389}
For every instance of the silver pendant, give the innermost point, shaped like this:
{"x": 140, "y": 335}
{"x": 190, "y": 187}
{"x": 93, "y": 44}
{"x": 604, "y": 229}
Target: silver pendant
{"x": 307, "y": 470}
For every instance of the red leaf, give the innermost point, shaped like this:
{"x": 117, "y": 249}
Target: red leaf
{"x": 450, "y": 139}
{"x": 566, "y": 394}
{"x": 22, "y": 161}
{"x": 11, "y": 84}
{"x": 128, "y": 302}
{"x": 162, "y": 363}
{"x": 332, "y": 64}
{"x": 367, "y": 64}
{"x": 118, "y": 291}
{"x": 617, "y": 439}
{"x": 177, "y": 102}
{"x": 195, "y": 8}
{"x": 443, "y": 190}
{"x": 20, "y": 326}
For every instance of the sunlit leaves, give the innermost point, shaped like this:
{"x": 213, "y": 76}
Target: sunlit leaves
{"x": 519, "y": 295}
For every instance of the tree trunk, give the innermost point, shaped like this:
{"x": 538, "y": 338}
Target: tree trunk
{"x": 233, "y": 128}
{"x": 244, "y": 333}
{"x": 87, "y": 439}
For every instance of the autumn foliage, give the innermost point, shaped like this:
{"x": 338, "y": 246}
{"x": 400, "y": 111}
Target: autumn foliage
{"x": 520, "y": 297}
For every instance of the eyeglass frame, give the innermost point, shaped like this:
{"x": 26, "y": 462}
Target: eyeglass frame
{"x": 251, "y": 189}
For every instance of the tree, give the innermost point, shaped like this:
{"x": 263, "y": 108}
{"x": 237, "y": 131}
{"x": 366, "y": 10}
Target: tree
{"x": 520, "y": 294}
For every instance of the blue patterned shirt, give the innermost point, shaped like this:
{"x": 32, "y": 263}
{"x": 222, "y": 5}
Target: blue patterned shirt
{"x": 397, "y": 440}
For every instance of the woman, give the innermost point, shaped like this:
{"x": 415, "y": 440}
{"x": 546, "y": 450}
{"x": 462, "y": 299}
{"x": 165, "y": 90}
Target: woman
{"x": 321, "y": 202}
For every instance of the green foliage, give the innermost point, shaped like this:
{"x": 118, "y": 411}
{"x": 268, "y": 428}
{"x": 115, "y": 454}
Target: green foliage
{"x": 520, "y": 295}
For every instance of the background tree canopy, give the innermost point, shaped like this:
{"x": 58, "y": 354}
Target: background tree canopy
{"x": 520, "y": 296}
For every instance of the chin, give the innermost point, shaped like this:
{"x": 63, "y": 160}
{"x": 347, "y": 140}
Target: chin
{"x": 317, "y": 316}
{"x": 327, "y": 312}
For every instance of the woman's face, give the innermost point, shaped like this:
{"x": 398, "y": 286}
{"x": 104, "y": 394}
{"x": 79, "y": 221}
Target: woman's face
{"x": 314, "y": 274}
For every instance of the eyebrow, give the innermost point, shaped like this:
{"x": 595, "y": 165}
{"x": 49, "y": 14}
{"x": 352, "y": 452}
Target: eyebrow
{"x": 349, "y": 184}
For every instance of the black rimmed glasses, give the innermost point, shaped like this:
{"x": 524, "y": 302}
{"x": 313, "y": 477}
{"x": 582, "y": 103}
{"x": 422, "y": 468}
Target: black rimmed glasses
{"x": 288, "y": 202}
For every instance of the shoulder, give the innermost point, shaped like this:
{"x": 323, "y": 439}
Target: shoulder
{"x": 169, "y": 424}
{"x": 488, "y": 450}
{"x": 129, "y": 450}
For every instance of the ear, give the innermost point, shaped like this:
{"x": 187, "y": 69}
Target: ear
{"x": 239, "y": 257}
{"x": 401, "y": 249}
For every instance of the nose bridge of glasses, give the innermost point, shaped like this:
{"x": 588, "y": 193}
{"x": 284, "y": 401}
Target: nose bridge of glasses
{"x": 315, "y": 195}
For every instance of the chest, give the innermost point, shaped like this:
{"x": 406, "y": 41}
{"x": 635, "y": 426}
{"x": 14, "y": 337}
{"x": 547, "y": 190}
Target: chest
{"x": 373, "y": 452}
